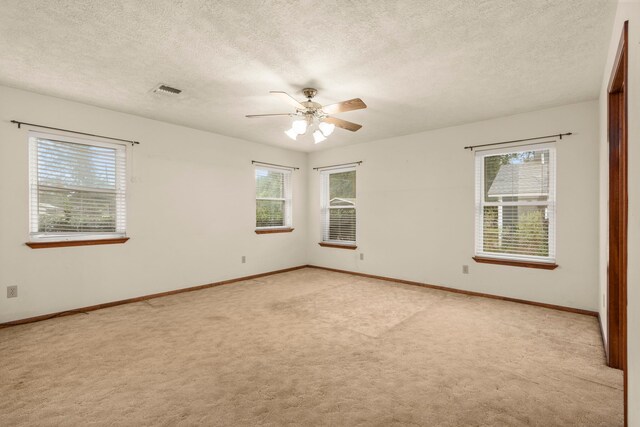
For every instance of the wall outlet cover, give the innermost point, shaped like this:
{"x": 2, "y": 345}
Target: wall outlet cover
{"x": 12, "y": 291}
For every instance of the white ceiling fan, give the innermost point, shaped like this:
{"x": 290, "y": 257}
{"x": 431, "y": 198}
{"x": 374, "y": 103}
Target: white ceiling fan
{"x": 309, "y": 113}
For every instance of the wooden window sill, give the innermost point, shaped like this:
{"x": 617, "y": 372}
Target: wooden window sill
{"x": 274, "y": 230}
{"x": 513, "y": 263}
{"x": 337, "y": 245}
{"x": 60, "y": 244}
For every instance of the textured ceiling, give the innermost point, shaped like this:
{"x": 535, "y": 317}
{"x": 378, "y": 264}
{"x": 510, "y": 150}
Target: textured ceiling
{"x": 417, "y": 64}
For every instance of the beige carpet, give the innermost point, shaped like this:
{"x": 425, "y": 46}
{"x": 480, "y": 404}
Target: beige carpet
{"x": 310, "y": 347}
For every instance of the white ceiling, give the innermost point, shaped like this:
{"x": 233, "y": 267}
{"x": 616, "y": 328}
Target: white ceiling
{"x": 417, "y": 64}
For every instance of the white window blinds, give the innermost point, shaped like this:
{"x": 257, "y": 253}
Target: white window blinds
{"x": 338, "y": 206}
{"x": 515, "y": 203}
{"x": 77, "y": 188}
{"x": 273, "y": 198}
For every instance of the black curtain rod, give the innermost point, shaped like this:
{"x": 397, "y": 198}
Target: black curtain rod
{"x": 336, "y": 166}
{"x": 73, "y": 131}
{"x": 559, "y": 135}
{"x": 253, "y": 162}
{"x": 526, "y": 145}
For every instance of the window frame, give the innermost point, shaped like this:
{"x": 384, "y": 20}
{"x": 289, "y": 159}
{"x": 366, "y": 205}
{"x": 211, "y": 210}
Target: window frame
{"x": 325, "y": 209}
{"x": 38, "y": 239}
{"x": 287, "y": 199}
{"x": 551, "y": 205}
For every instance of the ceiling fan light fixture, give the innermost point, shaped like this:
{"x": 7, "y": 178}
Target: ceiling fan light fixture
{"x": 291, "y": 133}
{"x": 318, "y": 137}
{"x": 299, "y": 126}
{"x": 326, "y": 128}
{"x": 310, "y": 117}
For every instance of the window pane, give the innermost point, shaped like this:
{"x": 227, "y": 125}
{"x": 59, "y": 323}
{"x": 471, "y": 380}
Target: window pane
{"x": 342, "y": 185}
{"x": 342, "y": 224}
{"x": 270, "y": 213}
{"x": 513, "y": 177}
{"x": 65, "y": 211}
{"x": 77, "y": 187}
{"x": 63, "y": 164}
{"x": 269, "y": 184}
{"x": 517, "y": 230}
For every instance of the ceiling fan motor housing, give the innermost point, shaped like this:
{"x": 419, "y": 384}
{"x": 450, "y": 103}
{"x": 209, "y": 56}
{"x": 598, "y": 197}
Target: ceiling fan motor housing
{"x": 311, "y": 106}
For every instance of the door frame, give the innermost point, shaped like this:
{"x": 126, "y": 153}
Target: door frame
{"x": 618, "y": 212}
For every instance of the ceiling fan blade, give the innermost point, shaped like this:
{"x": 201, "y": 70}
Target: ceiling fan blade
{"x": 341, "y": 107}
{"x": 287, "y": 98}
{"x": 251, "y": 116}
{"x": 343, "y": 124}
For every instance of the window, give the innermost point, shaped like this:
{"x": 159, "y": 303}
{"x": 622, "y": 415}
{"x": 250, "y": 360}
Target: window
{"x": 273, "y": 198}
{"x": 339, "y": 206}
{"x": 77, "y": 189}
{"x": 515, "y": 204}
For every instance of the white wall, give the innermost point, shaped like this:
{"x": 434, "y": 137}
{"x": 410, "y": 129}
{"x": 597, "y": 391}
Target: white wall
{"x": 415, "y": 198}
{"x": 626, "y": 11}
{"x": 191, "y": 212}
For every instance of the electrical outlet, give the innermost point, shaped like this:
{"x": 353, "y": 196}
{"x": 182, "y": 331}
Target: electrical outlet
{"x": 361, "y": 257}
{"x": 244, "y": 259}
{"x": 12, "y": 291}
{"x": 465, "y": 269}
